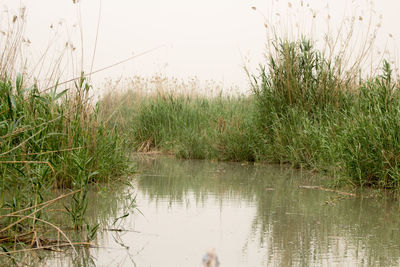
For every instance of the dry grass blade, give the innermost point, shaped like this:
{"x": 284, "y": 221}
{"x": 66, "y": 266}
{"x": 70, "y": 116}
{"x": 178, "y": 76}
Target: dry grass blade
{"x": 107, "y": 67}
{"x": 21, "y": 144}
{"x": 328, "y": 190}
{"x": 17, "y": 131}
{"x": 21, "y": 236}
{"x": 43, "y": 205}
{"x": 24, "y": 129}
{"x": 50, "y": 152}
{"x": 45, "y": 247}
{"x": 48, "y": 223}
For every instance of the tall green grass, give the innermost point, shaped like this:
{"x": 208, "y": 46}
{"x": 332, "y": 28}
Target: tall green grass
{"x": 370, "y": 144}
{"x": 50, "y": 139}
{"x": 313, "y": 117}
{"x": 303, "y": 110}
{"x": 188, "y": 126}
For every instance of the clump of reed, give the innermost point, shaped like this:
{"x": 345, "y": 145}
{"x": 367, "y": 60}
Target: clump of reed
{"x": 309, "y": 115}
{"x": 50, "y": 138}
{"x": 297, "y": 94}
{"x": 370, "y": 144}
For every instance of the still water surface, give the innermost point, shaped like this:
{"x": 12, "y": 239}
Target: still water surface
{"x": 252, "y": 216}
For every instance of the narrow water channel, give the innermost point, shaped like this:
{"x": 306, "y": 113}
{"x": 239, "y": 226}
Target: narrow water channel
{"x": 252, "y": 216}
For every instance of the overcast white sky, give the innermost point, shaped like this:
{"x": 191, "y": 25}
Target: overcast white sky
{"x": 209, "y": 39}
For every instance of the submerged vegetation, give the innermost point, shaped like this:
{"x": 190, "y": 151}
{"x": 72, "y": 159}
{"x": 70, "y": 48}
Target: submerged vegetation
{"x": 302, "y": 111}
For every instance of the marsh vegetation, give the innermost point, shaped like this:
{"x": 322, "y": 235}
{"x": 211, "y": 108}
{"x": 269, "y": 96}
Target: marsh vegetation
{"x": 311, "y": 108}
{"x": 302, "y": 111}
{"x": 52, "y": 147}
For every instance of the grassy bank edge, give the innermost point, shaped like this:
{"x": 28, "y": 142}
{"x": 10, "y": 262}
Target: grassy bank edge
{"x": 303, "y": 111}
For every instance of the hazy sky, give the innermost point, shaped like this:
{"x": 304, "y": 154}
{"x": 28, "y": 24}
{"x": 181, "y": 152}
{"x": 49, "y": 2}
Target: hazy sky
{"x": 208, "y": 39}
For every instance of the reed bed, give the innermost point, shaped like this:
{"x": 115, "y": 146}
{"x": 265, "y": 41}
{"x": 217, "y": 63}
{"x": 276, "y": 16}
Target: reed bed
{"x": 301, "y": 111}
{"x": 304, "y": 109}
{"x": 312, "y": 117}
{"x": 190, "y": 126}
{"x": 48, "y": 141}
{"x": 50, "y": 138}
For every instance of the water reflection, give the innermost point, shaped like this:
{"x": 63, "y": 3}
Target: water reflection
{"x": 105, "y": 206}
{"x": 252, "y": 215}
{"x": 290, "y": 226}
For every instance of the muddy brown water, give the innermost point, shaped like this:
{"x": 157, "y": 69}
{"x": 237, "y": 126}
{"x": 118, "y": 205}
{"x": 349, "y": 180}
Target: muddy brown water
{"x": 252, "y": 216}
